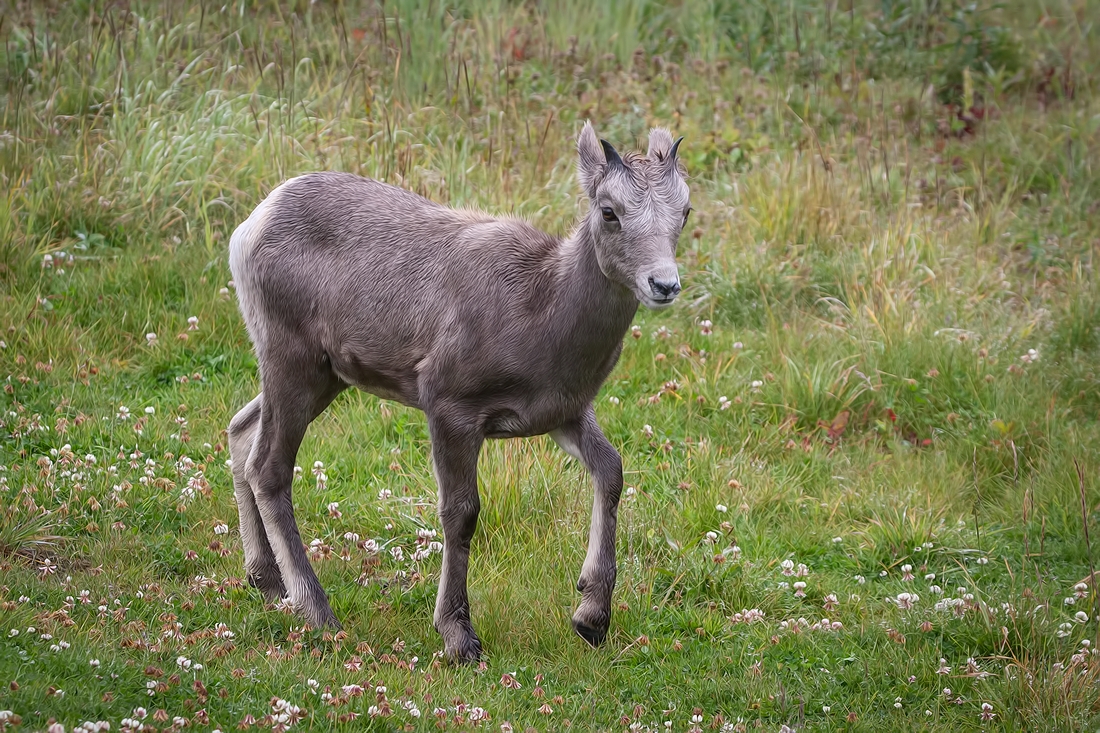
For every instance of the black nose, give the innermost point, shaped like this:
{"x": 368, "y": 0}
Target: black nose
{"x": 664, "y": 289}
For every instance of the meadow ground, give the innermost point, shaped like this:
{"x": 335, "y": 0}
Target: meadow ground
{"x": 862, "y": 449}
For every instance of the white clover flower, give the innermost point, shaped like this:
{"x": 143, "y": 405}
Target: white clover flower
{"x": 905, "y": 601}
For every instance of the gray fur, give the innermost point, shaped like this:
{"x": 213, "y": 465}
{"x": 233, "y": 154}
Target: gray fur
{"x": 491, "y": 327}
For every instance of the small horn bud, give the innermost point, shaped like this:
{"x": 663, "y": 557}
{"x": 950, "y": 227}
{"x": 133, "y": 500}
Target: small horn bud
{"x": 675, "y": 146}
{"x": 612, "y": 156}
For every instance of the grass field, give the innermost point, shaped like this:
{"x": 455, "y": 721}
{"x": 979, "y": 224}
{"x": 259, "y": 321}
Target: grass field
{"x": 863, "y": 449}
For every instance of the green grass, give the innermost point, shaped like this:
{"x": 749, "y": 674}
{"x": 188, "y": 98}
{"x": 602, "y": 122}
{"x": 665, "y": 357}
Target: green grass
{"x": 895, "y": 202}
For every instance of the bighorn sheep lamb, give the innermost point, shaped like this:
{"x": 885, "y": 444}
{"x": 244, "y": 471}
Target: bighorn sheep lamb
{"x": 491, "y": 327}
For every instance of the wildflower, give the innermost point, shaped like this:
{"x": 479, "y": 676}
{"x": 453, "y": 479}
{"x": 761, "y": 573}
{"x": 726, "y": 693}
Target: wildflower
{"x": 47, "y": 567}
{"x": 221, "y": 528}
{"x": 151, "y": 338}
{"x": 755, "y": 385}
{"x": 787, "y": 567}
{"x": 1081, "y": 617}
{"x": 334, "y": 510}
{"x": 647, "y": 431}
{"x": 150, "y": 410}
{"x": 509, "y": 681}
{"x": 636, "y": 331}
{"x": 906, "y": 572}
{"x": 723, "y": 403}
{"x": 613, "y": 400}
{"x": 94, "y": 662}
{"x": 706, "y": 328}
{"x": 748, "y": 616}
{"x": 830, "y": 603}
{"x": 193, "y": 323}
{"x": 837, "y": 540}
{"x": 987, "y": 711}
{"x": 123, "y": 412}
{"x": 800, "y": 589}
{"x": 721, "y": 508}
{"x": 905, "y": 601}
{"x": 943, "y": 668}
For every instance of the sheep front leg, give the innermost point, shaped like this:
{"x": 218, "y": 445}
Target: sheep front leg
{"x": 455, "y": 451}
{"x": 583, "y": 439}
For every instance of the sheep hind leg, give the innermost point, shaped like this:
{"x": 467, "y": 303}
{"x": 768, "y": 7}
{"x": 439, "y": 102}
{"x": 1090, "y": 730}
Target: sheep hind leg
{"x": 296, "y": 390}
{"x": 260, "y": 567}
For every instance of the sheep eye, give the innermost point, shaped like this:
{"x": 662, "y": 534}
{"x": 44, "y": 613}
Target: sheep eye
{"x": 608, "y": 214}
{"x": 687, "y": 212}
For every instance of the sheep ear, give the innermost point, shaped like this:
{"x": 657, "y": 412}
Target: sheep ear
{"x": 591, "y": 159}
{"x": 660, "y": 143}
